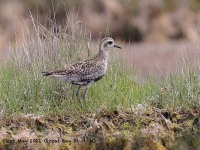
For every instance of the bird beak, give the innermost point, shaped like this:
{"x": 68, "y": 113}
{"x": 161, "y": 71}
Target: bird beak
{"x": 117, "y": 46}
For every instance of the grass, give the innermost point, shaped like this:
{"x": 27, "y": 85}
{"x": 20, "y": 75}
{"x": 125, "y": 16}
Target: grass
{"x": 23, "y": 89}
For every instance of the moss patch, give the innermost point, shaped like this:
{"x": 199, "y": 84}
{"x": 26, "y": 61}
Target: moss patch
{"x": 151, "y": 129}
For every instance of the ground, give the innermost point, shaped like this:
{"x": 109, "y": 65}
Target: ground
{"x": 141, "y": 128}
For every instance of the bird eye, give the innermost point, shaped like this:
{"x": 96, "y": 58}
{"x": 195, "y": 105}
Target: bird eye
{"x": 110, "y": 42}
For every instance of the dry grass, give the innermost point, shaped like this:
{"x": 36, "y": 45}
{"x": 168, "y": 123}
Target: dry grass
{"x": 24, "y": 90}
{"x": 121, "y": 107}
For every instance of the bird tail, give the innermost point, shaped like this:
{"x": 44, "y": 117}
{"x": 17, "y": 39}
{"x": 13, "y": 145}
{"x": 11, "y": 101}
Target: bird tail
{"x": 46, "y": 73}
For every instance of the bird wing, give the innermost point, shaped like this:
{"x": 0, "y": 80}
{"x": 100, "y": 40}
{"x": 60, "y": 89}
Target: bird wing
{"x": 87, "y": 67}
{"x": 85, "y": 70}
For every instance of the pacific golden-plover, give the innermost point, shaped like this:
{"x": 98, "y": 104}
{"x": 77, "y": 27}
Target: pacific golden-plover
{"x": 86, "y": 72}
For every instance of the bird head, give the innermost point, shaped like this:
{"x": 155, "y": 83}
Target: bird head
{"x": 107, "y": 43}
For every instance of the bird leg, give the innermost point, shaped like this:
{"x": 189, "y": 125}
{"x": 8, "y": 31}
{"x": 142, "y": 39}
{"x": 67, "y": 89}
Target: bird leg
{"x": 77, "y": 93}
{"x": 73, "y": 94}
{"x": 86, "y": 88}
{"x": 84, "y": 93}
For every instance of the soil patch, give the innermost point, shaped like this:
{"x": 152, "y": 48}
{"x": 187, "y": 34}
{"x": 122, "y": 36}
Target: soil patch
{"x": 141, "y": 128}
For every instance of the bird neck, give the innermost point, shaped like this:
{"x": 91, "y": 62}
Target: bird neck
{"x": 103, "y": 55}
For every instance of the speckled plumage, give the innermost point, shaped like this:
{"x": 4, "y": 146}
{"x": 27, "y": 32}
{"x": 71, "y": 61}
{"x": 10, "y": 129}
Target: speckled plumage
{"x": 86, "y": 72}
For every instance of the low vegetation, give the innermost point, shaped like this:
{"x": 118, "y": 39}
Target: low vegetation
{"x": 23, "y": 89}
{"x": 122, "y": 109}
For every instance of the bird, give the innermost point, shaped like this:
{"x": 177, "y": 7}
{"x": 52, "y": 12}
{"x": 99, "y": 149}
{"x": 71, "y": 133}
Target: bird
{"x": 86, "y": 72}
